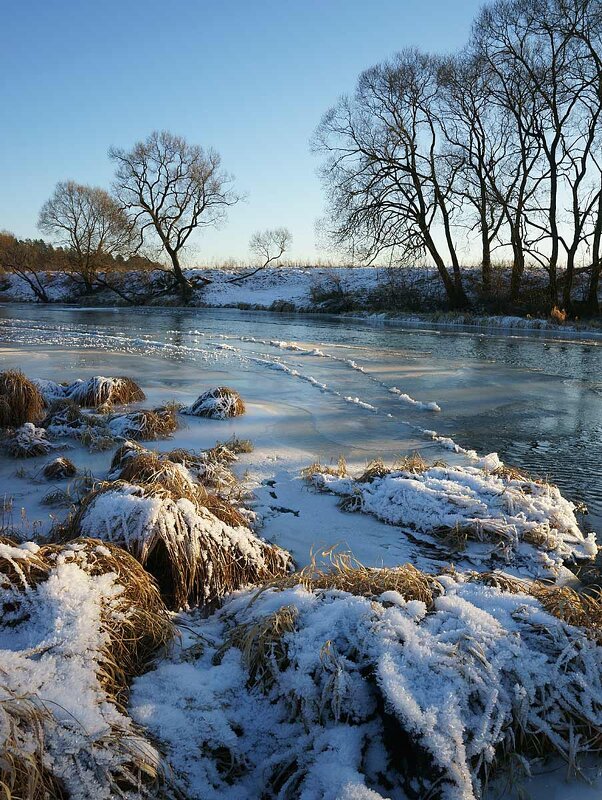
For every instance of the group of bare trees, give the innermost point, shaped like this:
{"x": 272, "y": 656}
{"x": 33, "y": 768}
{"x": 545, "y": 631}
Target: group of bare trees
{"x": 497, "y": 149}
{"x": 165, "y": 189}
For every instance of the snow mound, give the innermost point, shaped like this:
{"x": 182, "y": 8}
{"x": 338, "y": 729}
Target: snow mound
{"x": 316, "y": 692}
{"x": 486, "y": 516}
{"x": 219, "y": 403}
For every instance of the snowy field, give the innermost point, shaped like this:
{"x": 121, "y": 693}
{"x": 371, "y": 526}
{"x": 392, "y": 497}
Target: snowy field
{"x": 315, "y": 391}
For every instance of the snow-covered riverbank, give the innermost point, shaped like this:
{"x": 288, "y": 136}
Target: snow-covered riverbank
{"x": 293, "y": 290}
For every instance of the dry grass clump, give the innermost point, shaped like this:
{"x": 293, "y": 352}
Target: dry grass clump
{"x": 19, "y": 568}
{"x": 105, "y": 392}
{"x": 136, "y": 623}
{"x": 195, "y": 557}
{"x": 20, "y": 400}
{"x": 218, "y": 403}
{"x": 344, "y": 572}
{"x": 23, "y": 773}
{"x": 27, "y": 442}
{"x": 576, "y": 608}
{"x": 59, "y": 468}
{"x": 340, "y": 471}
{"x": 264, "y": 652}
{"x": 125, "y": 451}
{"x": 148, "y": 468}
{"x": 146, "y": 424}
{"x": 375, "y": 469}
{"x": 416, "y": 464}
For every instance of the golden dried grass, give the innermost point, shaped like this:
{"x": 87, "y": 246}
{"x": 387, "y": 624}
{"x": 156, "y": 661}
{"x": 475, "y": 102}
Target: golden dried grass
{"x": 264, "y": 652}
{"x": 106, "y": 392}
{"x": 156, "y": 423}
{"x": 344, "y": 572}
{"x": 192, "y": 566}
{"x": 23, "y": 771}
{"x": 20, "y": 400}
{"x": 218, "y": 403}
{"x": 136, "y": 621}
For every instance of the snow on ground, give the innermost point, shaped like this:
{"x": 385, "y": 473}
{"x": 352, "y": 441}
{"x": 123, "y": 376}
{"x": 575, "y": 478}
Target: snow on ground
{"x": 480, "y": 516}
{"x": 303, "y": 711}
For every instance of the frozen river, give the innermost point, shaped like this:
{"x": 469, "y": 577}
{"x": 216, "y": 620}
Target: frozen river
{"x": 324, "y": 385}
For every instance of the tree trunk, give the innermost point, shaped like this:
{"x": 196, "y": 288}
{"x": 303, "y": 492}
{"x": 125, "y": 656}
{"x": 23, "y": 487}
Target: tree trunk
{"x": 594, "y": 280}
{"x": 518, "y": 265}
{"x": 183, "y": 282}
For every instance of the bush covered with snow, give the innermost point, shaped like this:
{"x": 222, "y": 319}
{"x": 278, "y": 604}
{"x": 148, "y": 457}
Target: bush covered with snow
{"x": 92, "y": 392}
{"x": 195, "y": 556}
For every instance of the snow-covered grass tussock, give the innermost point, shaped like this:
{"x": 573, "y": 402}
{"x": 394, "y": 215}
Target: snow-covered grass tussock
{"x": 488, "y": 516}
{"x": 102, "y": 431}
{"x": 59, "y": 469}
{"x": 95, "y": 392}
{"x": 20, "y": 400}
{"x": 78, "y": 622}
{"x": 208, "y": 467}
{"x": 195, "y": 557}
{"x": 27, "y": 442}
{"x": 218, "y": 403}
{"x": 370, "y": 685}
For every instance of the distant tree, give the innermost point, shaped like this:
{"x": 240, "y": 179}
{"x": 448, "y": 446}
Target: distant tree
{"x": 90, "y": 224}
{"x": 170, "y": 188}
{"x": 269, "y": 246}
{"x": 28, "y": 260}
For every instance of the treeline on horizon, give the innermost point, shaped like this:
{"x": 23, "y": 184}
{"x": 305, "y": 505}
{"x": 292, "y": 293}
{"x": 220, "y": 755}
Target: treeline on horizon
{"x": 496, "y": 150}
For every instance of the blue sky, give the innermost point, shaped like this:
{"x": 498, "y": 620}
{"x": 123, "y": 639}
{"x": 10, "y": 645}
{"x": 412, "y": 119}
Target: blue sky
{"x": 251, "y": 79}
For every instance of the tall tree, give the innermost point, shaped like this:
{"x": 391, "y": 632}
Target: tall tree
{"x": 389, "y": 186}
{"x": 170, "y": 189}
{"x": 90, "y": 224}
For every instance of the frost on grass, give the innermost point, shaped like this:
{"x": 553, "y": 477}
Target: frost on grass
{"x": 196, "y": 557}
{"x": 485, "y": 517}
{"x": 368, "y": 683}
{"x": 94, "y": 392}
{"x": 102, "y": 431}
{"x": 27, "y": 442}
{"x": 219, "y": 403}
{"x": 78, "y": 622}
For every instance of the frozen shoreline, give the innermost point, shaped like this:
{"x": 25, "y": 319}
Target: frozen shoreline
{"x": 289, "y": 290}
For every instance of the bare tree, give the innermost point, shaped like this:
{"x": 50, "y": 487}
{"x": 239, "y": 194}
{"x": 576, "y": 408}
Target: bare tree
{"x": 389, "y": 186}
{"x": 170, "y": 189}
{"x": 89, "y": 223}
{"x": 477, "y": 140}
{"x": 26, "y": 261}
{"x": 269, "y": 246}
